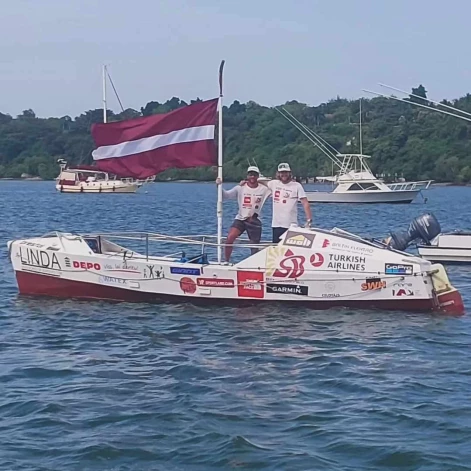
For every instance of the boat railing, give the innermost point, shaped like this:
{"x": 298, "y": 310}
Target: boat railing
{"x": 141, "y": 244}
{"x": 409, "y": 186}
{"x": 139, "y": 181}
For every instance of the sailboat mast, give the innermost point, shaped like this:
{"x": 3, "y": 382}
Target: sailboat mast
{"x": 361, "y": 139}
{"x": 104, "y": 93}
{"x": 220, "y": 149}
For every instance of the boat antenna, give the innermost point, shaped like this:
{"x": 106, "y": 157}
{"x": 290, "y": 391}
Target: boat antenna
{"x": 425, "y": 99}
{"x": 392, "y": 97}
{"x": 361, "y": 140}
{"x": 318, "y": 141}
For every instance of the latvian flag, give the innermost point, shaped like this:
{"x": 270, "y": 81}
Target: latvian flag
{"x": 146, "y": 146}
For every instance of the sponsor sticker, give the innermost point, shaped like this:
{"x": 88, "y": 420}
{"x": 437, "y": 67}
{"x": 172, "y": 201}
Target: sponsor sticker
{"x": 250, "y": 284}
{"x": 373, "y": 284}
{"x": 111, "y": 280}
{"x": 291, "y": 266}
{"x": 287, "y": 289}
{"x": 215, "y": 282}
{"x": 187, "y": 285}
{"x": 185, "y": 271}
{"x": 86, "y": 265}
{"x": 398, "y": 269}
{"x": 346, "y": 262}
{"x": 402, "y": 292}
{"x": 284, "y": 263}
{"x": 330, "y": 295}
{"x": 353, "y": 248}
{"x": 316, "y": 260}
{"x": 297, "y": 239}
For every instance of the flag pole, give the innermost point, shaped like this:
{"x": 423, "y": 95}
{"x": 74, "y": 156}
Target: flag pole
{"x": 219, "y": 187}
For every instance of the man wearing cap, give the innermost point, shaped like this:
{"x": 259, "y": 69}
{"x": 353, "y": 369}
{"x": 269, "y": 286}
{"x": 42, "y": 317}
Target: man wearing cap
{"x": 251, "y": 197}
{"x": 285, "y": 194}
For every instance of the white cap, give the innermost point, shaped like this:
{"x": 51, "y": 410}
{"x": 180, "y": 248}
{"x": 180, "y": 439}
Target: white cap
{"x": 253, "y": 168}
{"x": 284, "y": 168}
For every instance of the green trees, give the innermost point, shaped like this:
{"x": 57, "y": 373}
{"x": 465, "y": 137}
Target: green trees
{"x": 403, "y": 139}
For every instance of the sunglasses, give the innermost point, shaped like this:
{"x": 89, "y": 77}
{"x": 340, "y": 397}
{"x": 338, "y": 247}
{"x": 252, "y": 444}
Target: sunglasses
{"x": 252, "y": 174}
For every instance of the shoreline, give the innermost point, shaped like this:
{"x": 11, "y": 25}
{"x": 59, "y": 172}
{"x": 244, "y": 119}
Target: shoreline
{"x": 38, "y": 179}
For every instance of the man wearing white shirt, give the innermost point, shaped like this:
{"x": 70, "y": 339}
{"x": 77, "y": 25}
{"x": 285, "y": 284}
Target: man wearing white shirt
{"x": 285, "y": 194}
{"x": 251, "y": 198}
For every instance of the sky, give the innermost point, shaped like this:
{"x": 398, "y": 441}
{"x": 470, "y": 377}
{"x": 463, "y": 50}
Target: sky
{"x": 52, "y": 51}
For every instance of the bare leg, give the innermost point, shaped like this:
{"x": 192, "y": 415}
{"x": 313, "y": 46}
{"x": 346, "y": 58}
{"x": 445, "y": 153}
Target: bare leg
{"x": 231, "y": 237}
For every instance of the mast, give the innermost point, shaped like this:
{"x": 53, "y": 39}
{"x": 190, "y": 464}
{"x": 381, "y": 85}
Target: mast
{"x": 361, "y": 141}
{"x": 104, "y": 93}
{"x": 219, "y": 187}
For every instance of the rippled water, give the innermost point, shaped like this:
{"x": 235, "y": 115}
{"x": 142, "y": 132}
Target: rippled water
{"x": 94, "y": 385}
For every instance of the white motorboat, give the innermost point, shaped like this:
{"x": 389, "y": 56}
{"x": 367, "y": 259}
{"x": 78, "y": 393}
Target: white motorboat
{"x": 451, "y": 247}
{"x": 263, "y": 178}
{"x": 88, "y": 179}
{"x": 431, "y": 243}
{"x": 357, "y": 184}
{"x": 313, "y": 268}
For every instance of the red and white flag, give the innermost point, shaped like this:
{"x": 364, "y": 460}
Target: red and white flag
{"x": 146, "y": 146}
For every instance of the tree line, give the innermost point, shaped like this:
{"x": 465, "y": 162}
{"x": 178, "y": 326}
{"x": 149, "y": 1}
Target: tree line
{"x": 403, "y": 140}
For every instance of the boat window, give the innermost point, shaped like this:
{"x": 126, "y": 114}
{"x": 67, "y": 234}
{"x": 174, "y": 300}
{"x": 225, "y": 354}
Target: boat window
{"x": 355, "y": 187}
{"x": 94, "y": 244}
{"x": 370, "y": 186}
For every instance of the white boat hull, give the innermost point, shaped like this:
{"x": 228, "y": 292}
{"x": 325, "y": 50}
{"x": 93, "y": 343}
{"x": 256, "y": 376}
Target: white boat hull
{"x": 448, "y": 248}
{"x": 370, "y": 197}
{"x": 99, "y": 187}
{"x": 316, "y": 269}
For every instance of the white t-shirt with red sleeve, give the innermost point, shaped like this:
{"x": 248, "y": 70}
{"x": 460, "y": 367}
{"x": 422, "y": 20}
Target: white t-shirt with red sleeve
{"x": 285, "y": 202}
{"x": 250, "y": 200}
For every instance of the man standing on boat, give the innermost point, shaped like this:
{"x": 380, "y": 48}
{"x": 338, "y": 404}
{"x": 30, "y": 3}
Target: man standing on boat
{"x": 285, "y": 194}
{"x": 251, "y": 198}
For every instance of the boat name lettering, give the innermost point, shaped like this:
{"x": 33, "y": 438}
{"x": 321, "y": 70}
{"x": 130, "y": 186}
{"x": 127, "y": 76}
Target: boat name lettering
{"x": 185, "y": 271}
{"x": 297, "y": 239}
{"x": 398, "y": 269}
{"x": 346, "y": 262}
{"x": 215, "y": 282}
{"x": 330, "y": 295}
{"x": 287, "y": 289}
{"x": 86, "y": 265}
{"x": 103, "y": 279}
{"x": 373, "y": 284}
{"x": 151, "y": 272}
{"x": 39, "y": 258}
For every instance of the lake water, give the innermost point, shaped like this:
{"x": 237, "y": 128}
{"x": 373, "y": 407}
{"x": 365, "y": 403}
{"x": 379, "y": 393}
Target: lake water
{"x": 95, "y": 385}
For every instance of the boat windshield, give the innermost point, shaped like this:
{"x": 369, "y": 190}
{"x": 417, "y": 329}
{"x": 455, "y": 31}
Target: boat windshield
{"x": 363, "y": 187}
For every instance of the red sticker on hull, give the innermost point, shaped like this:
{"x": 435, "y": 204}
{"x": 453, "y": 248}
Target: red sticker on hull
{"x": 250, "y": 284}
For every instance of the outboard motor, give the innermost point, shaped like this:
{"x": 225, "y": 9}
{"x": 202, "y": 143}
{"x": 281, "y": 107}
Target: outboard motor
{"x": 424, "y": 227}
